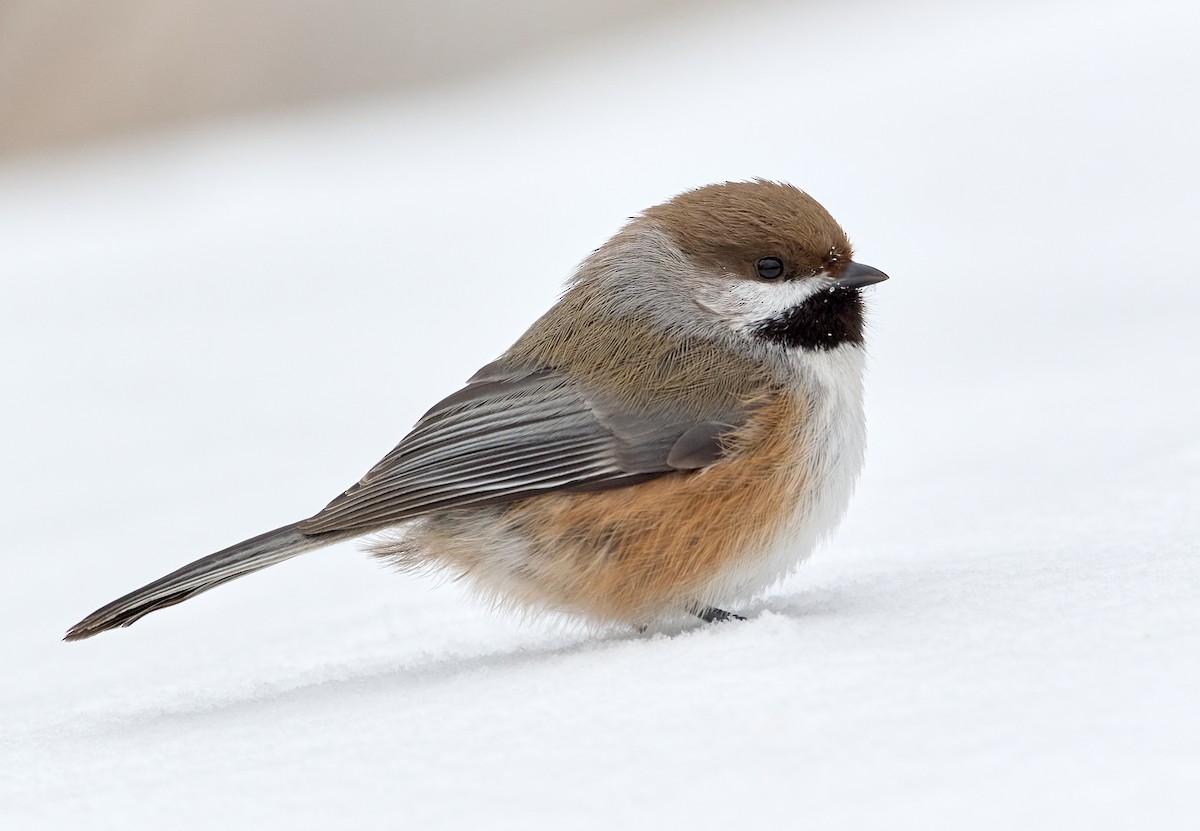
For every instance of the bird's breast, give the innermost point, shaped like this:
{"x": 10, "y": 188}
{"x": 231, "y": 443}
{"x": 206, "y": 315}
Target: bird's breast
{"x": 821, "y": 438}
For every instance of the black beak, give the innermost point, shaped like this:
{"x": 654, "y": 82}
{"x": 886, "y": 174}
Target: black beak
{"x": 857, "y": 275}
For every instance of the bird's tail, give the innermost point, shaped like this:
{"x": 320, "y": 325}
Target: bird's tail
{"x": 233, "y": 562}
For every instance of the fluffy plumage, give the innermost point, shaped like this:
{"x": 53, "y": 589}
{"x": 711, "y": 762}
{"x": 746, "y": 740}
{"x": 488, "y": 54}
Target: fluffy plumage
{"x": 674, "y": 434}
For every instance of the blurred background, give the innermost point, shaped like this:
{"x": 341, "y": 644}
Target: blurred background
{"x": 244, "y": 245}
{"x": 72, "y": 72}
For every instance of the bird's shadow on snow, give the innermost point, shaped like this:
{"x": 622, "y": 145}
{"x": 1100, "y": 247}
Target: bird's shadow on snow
{"x": 310, "y": 686}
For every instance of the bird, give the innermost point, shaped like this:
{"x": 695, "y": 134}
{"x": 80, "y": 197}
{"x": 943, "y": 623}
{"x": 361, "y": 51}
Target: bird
{"x": 672, "y": 438}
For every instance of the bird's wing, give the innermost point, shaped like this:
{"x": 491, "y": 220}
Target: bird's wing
{"x": 513, "y": 432}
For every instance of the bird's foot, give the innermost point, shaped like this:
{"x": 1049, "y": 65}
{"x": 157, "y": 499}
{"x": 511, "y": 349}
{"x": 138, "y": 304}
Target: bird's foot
{"x": 711, "y": 614}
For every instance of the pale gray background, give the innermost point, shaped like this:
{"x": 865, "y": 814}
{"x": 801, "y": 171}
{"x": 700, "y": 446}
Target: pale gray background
{"x": 209, "y": 331}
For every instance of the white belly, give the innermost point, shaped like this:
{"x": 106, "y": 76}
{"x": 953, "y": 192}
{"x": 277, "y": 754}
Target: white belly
{"x": 835, "y": 438}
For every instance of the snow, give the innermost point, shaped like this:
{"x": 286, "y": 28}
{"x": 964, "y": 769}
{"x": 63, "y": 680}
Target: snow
{"x": 207, "y": 334}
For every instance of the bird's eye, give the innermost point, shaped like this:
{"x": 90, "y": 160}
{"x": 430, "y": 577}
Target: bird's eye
{"x": 769, "y": 268}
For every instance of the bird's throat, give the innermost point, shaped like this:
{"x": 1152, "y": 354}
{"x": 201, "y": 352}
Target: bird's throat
{"x": 825, "y": 320}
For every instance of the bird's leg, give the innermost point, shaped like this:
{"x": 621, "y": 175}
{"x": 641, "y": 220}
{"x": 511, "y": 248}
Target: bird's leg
{"x": 711, "y": 614}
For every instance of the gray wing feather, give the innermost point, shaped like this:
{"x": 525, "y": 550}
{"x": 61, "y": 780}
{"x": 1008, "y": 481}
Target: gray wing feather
{"x": 699, "y": 447}
{"x": 513, "y": 432}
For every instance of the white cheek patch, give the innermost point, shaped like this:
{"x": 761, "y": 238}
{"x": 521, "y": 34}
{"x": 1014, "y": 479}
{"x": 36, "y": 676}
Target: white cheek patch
{"x": 744, "y": 304}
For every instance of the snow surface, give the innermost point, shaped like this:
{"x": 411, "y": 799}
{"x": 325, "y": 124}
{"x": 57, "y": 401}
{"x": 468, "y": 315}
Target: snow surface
{"x": 208, "y": 334}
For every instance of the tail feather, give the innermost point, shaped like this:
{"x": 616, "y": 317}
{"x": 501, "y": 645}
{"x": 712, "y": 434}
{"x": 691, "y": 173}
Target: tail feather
{"x": 236, "y": 561}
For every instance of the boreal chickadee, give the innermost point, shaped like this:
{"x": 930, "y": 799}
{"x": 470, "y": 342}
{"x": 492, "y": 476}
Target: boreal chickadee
{"x": 671, "y": 437}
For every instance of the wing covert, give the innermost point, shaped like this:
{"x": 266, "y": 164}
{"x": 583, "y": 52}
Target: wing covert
{"x": 510, "y": 433}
